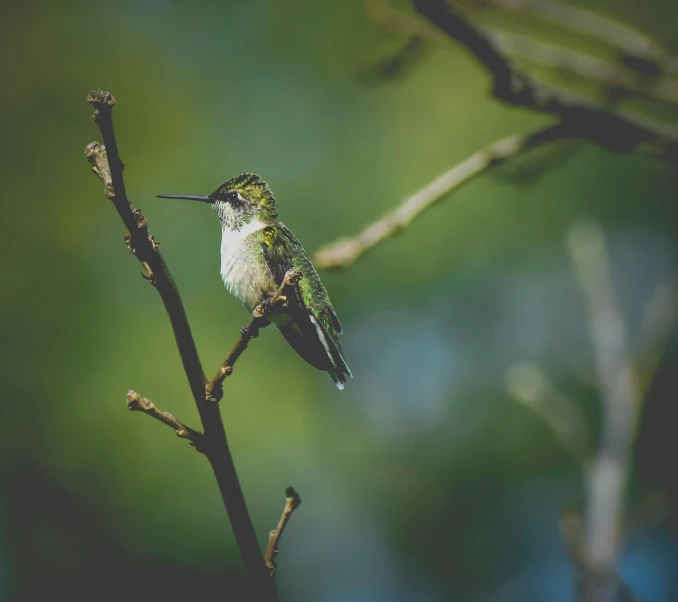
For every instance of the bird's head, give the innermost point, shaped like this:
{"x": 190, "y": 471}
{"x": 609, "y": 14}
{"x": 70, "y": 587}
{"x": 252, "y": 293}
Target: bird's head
{"x": 238, "y": 201}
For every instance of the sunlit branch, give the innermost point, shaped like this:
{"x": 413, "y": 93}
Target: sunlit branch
{"x": 345, "y": 251}
{"x": 292, "y": 501}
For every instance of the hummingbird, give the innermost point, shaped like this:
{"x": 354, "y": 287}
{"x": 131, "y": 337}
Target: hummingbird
{"x": 257, "y": 250}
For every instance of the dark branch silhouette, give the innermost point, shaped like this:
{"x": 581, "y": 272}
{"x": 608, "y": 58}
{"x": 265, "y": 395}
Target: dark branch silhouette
{"x": 585, "y": 119}
{"x": 212, "y": 442}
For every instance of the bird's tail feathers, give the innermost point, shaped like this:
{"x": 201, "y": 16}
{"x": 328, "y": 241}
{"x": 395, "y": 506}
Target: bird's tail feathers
{"x": 340, "y": 370}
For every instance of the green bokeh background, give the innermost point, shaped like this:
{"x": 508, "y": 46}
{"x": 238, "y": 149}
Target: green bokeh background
{"x": 423, "y": 480}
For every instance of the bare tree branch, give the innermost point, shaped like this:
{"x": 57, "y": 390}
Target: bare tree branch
{"x": 345, "y": 251}
{"x": 292, "y": 502}
{"x": 584, "y": 118}
{"x": 608, "y": 473}
{"x": 136, "y": 403}
{"x": 108, "y": 166}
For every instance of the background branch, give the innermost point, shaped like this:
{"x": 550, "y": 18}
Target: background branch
{"x": 108, "y": 166}
{"x": 608, "y": 473}
{"x": 345, "y": 251}
{"x": 562, "y": 414}
{"x": 619, "y": 76}
{"x": 586, "y": 119}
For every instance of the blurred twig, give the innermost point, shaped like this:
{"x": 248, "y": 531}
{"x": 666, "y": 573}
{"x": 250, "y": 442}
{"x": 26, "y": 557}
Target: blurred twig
{"x": 594, "y": 540}
{"x": 608, "y": 472}
{"x": 562, "y": 414}
{"x": 108, "y": 166}
{"x": 591, "y": 586}
{"x": 345, "y": 251}
{"x": 292, "y": 501}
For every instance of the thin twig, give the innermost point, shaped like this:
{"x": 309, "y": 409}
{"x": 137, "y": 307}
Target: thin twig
{"x": 136, "y": 403}
{"x": 345, "y": 251}
{"x": 292, "y": 502}
{"x": 108, "y": 167}
{"x": 584, "y": 118}
{"x": 562, "y": 414}
{"x": 608, "y": 473}
{"x": 259, "y": 319}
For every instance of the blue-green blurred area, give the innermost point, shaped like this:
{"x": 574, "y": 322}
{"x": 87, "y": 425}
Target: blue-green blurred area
{"x": 425, "y": 479}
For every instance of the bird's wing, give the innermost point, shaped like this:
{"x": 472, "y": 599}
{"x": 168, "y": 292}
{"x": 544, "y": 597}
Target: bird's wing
{"x": 313, "y": 333}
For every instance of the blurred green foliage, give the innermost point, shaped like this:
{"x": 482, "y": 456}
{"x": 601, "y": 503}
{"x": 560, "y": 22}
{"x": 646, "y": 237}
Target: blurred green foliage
{"x": 423, "y": 480}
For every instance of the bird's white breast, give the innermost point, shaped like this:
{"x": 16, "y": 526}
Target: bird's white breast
{"x": 238, "y": 273}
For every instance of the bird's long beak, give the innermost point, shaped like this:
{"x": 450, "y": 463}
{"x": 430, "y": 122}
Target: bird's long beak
{"x": 204, "y": 199}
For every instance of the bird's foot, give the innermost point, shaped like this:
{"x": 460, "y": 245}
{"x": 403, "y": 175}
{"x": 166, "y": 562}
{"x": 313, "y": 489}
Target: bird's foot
{"x": 261, "y": 310}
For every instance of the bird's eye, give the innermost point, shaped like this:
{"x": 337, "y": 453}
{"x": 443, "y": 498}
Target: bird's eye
{"x": 232, "y": 197}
